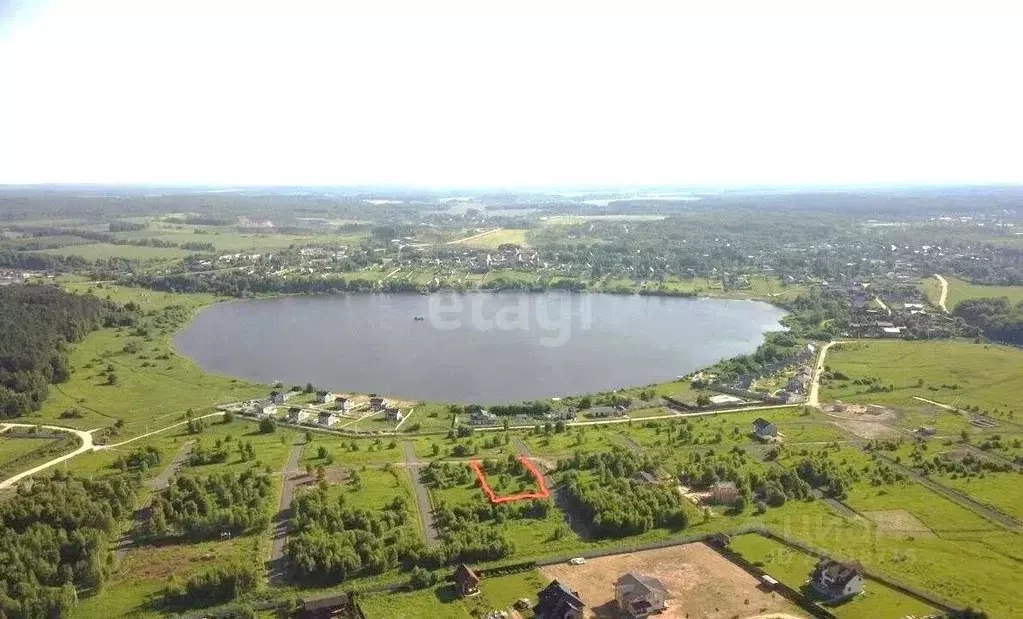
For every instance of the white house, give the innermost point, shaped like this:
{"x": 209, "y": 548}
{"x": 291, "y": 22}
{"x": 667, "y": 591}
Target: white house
{"x": 324, "y": 396}
{"x": 266, "y": 408}
{"x": 326, "y": 419}
{"x": 393, "y": 414}
{"x": 297, "y": 414}
{"x": 835, "y": 580}
{"x": 342, "y": 404}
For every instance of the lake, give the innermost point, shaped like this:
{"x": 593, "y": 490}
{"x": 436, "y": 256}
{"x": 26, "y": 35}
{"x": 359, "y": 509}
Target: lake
{"x": 474, "y": 347}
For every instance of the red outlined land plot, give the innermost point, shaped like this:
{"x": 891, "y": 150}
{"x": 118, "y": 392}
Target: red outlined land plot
{"x": 543, "y": 493}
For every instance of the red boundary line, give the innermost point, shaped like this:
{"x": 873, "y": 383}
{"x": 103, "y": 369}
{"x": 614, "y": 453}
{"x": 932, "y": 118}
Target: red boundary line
{"x": 542, "y": 494}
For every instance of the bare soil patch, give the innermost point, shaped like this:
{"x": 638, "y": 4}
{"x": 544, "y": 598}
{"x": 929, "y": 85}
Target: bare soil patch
{"x": 898, "y": 523}
{"x": 864, "y": 420}
{"x": 701, "y": 582}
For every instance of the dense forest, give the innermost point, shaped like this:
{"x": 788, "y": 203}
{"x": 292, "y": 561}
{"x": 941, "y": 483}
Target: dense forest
{"x": 613, "y": 504}
{"x": 998, "y": 318}
{"x": 37, "y": 326}
{"x": 201, "y": 508}
{"x": 54, "y": 536}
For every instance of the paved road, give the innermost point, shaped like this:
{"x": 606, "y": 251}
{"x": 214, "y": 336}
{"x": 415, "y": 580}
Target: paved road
{"x": 293, "y": 474}
{"x": 157, "y": 484}
{"x": 422, "y": 494}
{"x": 955, "y": 496}
{"x": 944, "y": 293}
{"x": 86, "y": 446}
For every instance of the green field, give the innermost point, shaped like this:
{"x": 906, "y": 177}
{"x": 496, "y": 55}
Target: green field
{"x": 496, "y": 239}
{"x": 441, "y": 602}
{"x": 960, "y": 290}
{"x": 105, "y": 251}
{"x": 958, "y": 373}
{"x": 20, "y": 454}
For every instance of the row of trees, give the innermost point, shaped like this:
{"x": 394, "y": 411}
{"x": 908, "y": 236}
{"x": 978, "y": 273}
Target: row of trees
{"x": 54, "y": 538}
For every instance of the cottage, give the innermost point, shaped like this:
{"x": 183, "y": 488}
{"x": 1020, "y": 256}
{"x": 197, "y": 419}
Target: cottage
{"x": 266, "y": 408}
{"x": 393, "y": 414}
{"x": 640, "y": 596}
{"x": 326, "y": 419}
{"x": 764, "y": 429}
{"x": 797, "y": 384}
{"x": 297, "y": 414}
{"x": 482, "y": 418}
{"x": 377, "y": 404}
{"x": 280, "y": 397}
{"x": 837, "y": 580}
{"x": 557, "y": 601}
{"x": 724, "y": 493}
{"x": 324, "y": 396}
{"x": 644, "y": 477}
{"x": 467, "y": 582}
{"x": 342, "y": 404}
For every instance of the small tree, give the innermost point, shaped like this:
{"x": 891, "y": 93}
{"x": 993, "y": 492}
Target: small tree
{"x": 111, "y": 379}
{"x": 267, "y": 425}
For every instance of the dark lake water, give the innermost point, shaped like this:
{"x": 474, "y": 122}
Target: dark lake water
{"x": 476, "y": 347}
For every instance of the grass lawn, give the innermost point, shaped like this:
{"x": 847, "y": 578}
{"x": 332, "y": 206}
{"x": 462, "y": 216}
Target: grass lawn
{"x": 441, "y": 602}
{"x": 20, "y": 454}
{"x": 960, "y": 290}
{"x": 1002, "y": 491}
{"x": 792, "y": 568}
{"x": 987, "y": 375}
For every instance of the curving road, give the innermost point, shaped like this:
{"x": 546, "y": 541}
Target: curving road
{"x": 944, "y": 293}
{"x": 86, "y": 446}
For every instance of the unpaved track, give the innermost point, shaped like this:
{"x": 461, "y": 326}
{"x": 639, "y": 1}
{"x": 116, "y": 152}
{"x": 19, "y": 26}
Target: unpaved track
{"x": 158, "y": 483}
{"x": 86, "y": 446}
{"x": 422, "y": 494}
{"x": 814, "y": 399}
{"x": 944, "y": 292}
{"x": 277, "y": 565}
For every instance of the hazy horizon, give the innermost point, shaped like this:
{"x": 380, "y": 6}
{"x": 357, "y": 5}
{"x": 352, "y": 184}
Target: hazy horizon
{"x": 524, "y": 95}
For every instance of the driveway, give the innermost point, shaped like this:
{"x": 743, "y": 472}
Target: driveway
{"x": 414, "y": 466}
{"x": 293, "y": 474}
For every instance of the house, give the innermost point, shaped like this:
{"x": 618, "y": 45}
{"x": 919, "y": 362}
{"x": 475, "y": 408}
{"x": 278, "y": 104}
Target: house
{"x": 836, "y": 580}
{"x": 644, "y": 477}
{"x": 797, "y": 384}
{"x": 724, "y": 493}
{"x": 342, "y": 404}
{"x": 482, "y": 418}
{"x": 280, "y": 397}
{"x": 891, "y": 331}
{"x": 324, "y": 396}
{"x": 640, "y": 596}
{"x": 558, "y": 601}
{"x": 297, "y": 414}
{"x": 466, "y": 581}
{"x": 377, "y": 404}
{"x": 266, "y": 408}
{"x": 764, "y": 429}
{"x": 393, "y": 414}
{"x": 326, "y": 419}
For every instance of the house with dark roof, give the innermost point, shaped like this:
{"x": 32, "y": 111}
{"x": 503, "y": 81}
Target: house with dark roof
{"x": 557, "y": 601}
{"x": 393, "y": 414}
{"x": 837, "y": 580}
{"x": 377, "y": 403}
{"x": 326, "y": 418}
{"x": 280, "y": 397}
{"x": 324, "y": 396}
{"x": 724, "y": 493}
{"x": 764, "y": 429}
{"x": 297, "y": 414}
{"x": 342, "y": 403}
{"x": 640, "y": 596}
{"x": 467, "y": 582}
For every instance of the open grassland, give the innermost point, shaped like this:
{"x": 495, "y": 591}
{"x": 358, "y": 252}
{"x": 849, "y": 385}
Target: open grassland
{"x": 496, "y": 239}
{"x": 960, "y": 290}
{"x": 105, "y": 251}
{"x": 958, "y": 373}
{"x": 1002, "y": 491}
{"x": 792, "y": 567}
{"x": 154, "y": 386}
{"x": 442, "y": 602}
{"x": 20, "y": 454}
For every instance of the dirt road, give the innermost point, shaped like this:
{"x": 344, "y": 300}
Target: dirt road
{"x": 944, "y": 293}
{"x": 815, "y": 385}
{"x": 422, "y": 493}
{"x": 293, "y": 474}
{"x": 158, "y": 483}
{"x": 86, "y": 446}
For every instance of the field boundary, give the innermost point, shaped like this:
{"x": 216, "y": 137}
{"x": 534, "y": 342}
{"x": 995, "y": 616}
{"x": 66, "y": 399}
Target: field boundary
{"x": 497, "y": 500}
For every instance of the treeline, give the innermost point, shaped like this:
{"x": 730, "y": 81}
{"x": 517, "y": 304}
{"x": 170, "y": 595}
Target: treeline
{"x": 998, "y": 318}
{"x": 40, "y": 262}
{"x": 200, "y": 508}
{"x": 612, "y": 504}
{"x": 138, "y": 459}
{"x": 54, "y": 538}
{"x": 37, "y": 326}
{"x": 217, "y": 586}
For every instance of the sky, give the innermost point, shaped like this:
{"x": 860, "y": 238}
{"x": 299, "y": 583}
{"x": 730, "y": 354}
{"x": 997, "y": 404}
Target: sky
{"x": 506, "y": 93}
